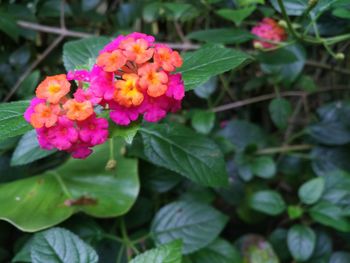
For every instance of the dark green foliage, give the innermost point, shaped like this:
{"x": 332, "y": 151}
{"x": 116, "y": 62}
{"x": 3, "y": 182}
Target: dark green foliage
{"x": 254, "y": 168}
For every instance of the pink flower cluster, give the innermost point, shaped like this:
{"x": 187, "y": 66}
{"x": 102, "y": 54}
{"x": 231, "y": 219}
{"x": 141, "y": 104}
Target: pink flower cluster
{"x": 270, "y": 30}
{"x": 141, "y": 84}
{"x": 74, "y": 136}
{"x": 132, "y": 77}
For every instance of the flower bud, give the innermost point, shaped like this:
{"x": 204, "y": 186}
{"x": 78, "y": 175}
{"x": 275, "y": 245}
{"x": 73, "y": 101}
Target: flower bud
{"x": 282, "y": 23}
{"x": 339, "y": 56}
{"x": 111, "y": 165}
{"x": 312, "y": 3}
{"x": 258, "y": 45}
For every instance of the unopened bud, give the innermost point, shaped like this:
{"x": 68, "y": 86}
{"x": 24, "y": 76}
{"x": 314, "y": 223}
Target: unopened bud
{"x": 312, "y": 3}
{"x": 282, "y": 23}
{"x": 339, "y": 56}
{"x": 258, "y": 45}
{"x": 111, "y": 164}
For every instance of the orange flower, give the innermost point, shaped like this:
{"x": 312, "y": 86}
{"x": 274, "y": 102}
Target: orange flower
{"x": 126, "y": 93}
{"x": 152, "y": 80}
{"x": 44, "y": 115}
{"x": 167, "y": 59}
{"x": 136, "y": 50}
{"x": 111, "y": 62}
{"x": 78, "y": 110}
{"x": 53, "y": 88}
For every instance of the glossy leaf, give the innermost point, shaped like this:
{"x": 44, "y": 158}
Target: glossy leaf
{"x": 311, "y": 191}
{"x": 78, "y": 185}
{"x": 287, "y": 71}
{"x": 340, "y": 257}
{"x": 28, "y": 150}
{"x": 168, "y": 253}
{"x": 12, "y": 122}
{"x": 236, "y": 15}
{"x": 243, "y": 133}
{"x": 301, "y": 242}
{"x": 268, "y": 202}
{"x": 181, "y": 150}
{"x": 221, "y": 35}
{"x": 196, "y": 224}
{"x": 206, "y": 89}
{"x": 206, "y": 62}
{"x": 8, "y": 25}
{"x": 203, "y": 121}
{"x": 331, "y": 215}
{"x": 280, "y": 111}
{"x": 82, "y": 53}
{"x": 58, "y": 245}
{"x": 263, "y": 167}
{"x": 220, "y": 251}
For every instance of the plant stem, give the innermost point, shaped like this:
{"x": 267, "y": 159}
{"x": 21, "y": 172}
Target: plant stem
{"x": 286, "y": 17}
{"x": 126, "y": 241}
{"x": 285, "y": 149}
{"x": 114, "y": 238}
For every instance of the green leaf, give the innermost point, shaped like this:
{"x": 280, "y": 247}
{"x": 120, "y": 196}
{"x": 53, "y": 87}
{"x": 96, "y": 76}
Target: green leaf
{"x": 28, "y": 150}
{"x": 8, "y": 25}
{"x": 237, "y": 16}
{"x": 221, "y": 35}
{"x": 311, "y": 191}
{"x": 219, "y": 251}
{"x": 78, "y": 185}
{"x": 206, "y": 89}
{"x": 197, "y": 224}
{"x": 181, "y": 150}
{"x": 280, "y": 112}
{"x": 12, "y": 122}
{"x": 180, "y": 11}
{"x": 264, "y": 167}
{"x": 329, "y": 159}
{"x": 58, "y": 245}
{"x": 206, "y": 62}
{"x": 168, "y": 253}
{"x": 158, "y": 179}
{"x": 286, "y": 71}
{"x": 82, "y": 53}
{"x": 151, "y": 11}
{"x": 306, "y": 83}
{"x": 293, "y": 7}
{"x": 295, "y": 211}
{"x": 268, "y": 202}
{"x": 340, "y": 257}
{"x": 301, "y": 242}
{"x": 203, "y": 121}
{"x": 342, "y": 13}
{"x": 243, "y": 134}
{"x": 27, "y": 89}
{"x": 331, "y": 215}
{"x": 127, "y": 133}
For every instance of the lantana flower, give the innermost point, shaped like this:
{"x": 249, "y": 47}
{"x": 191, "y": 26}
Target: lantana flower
{"x": 269, "y": 30}
{"x": 132, "y": 77}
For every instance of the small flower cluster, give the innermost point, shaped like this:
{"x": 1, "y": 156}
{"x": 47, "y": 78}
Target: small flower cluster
{"x": 270, "y": 30}
{"x": 132, "y": 77}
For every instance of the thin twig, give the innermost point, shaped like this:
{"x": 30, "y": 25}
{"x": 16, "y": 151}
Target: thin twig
{"x": 253, "y": 100}
{"x": 62, "y": 19}
{"x": 32, "y": 66}
{"x": 52, "y": 30}
{"x": 325, "y": 66}
{"x": 270, "y": 96}
{"x": 285, "y": 148}
{"x": 179, "y": 32}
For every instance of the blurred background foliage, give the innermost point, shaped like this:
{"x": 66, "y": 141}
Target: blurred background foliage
{"x": 282, "y": 124}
